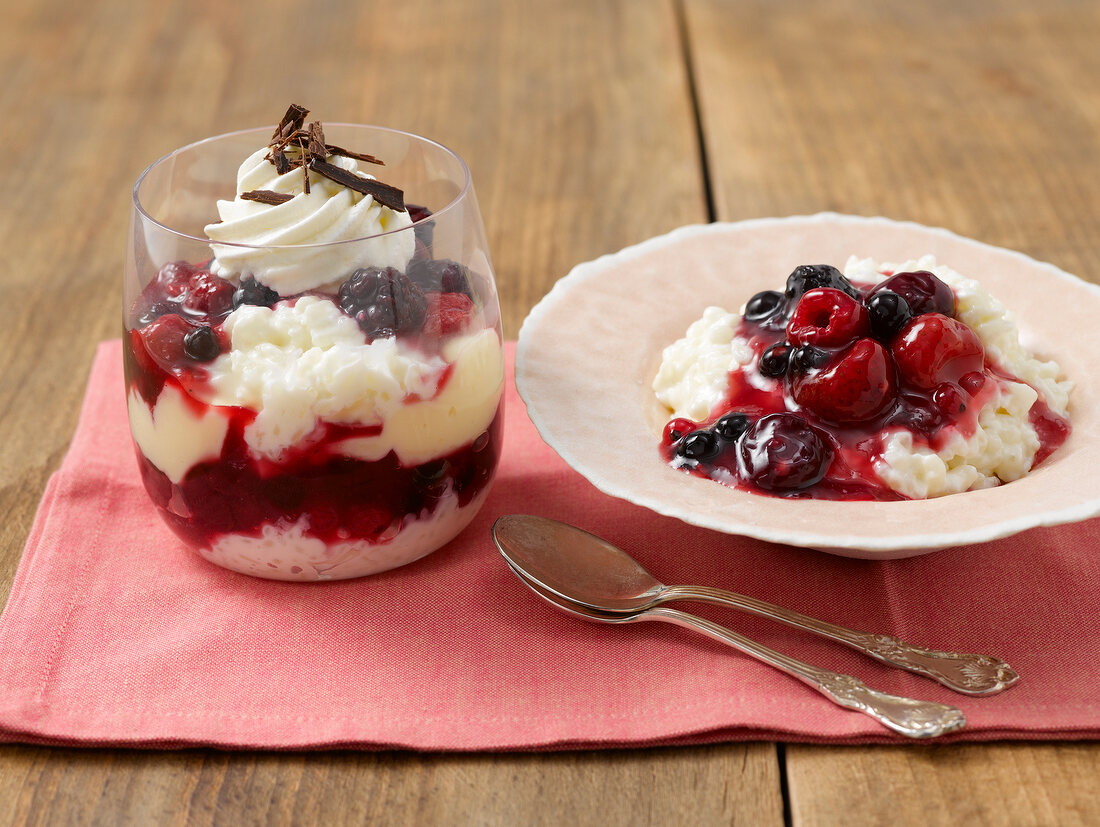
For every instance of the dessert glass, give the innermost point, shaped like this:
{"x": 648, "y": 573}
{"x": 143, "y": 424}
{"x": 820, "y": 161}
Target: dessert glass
{"x": 318, "y": 451}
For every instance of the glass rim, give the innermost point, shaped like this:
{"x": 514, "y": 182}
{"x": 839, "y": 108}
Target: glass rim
{"x": 139, "y": 207}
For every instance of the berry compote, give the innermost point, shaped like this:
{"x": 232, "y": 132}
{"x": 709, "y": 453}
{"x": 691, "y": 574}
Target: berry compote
{"x": 317, "y": 508}
{"x": 837, "y": 368}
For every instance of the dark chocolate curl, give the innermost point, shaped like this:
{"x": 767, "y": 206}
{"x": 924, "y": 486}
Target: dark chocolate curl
{"x": 384, "y": 194}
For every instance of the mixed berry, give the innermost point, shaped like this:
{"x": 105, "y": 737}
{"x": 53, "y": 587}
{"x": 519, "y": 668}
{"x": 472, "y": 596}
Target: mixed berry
{"x": 177, "y": 330}
{"x": 177, "y": 319}
{"x": 835, "y": 365}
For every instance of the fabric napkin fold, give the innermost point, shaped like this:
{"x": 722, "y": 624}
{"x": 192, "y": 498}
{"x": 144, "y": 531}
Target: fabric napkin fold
{"x": 115, "y": 633}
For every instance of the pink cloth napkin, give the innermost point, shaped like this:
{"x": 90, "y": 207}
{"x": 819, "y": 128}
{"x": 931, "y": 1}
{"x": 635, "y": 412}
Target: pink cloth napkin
{"x": 116, "y": 634}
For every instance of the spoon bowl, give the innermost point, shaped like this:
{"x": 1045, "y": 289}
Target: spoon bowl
{"x": 590, "y": 573}
{"x": 907, "y": 716}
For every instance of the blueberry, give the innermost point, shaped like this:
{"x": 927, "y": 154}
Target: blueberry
{"x": 773, "y": 361}
{"x": 922, "y": 291}
{"x": 699, "y": 445}
{"x": 763, "y": 305}
{"x": 888, "y": 312}
{"x": 201, "y": 344}
{"x": 807, "y": 358}
{"x": 806, "y": 277}
{"x": 252, "y": 292}
{"x": 731, "y": 426}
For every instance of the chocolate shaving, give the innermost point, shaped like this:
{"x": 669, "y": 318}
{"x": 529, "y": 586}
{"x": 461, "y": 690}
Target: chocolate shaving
{"x": 267, "y": 197}
{"x": 292, "y": 134}
{"x": 281, "y": 162}
{"x": 384, "y": 194}
{"x": 305, "y": 166}
{"x": 317, "y": 141}
{"x": 358, "y": 156}
{"x": 292, "y": 121}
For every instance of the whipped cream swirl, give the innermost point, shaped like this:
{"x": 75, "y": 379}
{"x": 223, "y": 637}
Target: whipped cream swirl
{"x": 296, "y": 246}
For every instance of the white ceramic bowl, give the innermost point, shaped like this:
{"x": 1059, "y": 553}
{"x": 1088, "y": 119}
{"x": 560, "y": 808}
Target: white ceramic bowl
{"x": 588, "y": 352}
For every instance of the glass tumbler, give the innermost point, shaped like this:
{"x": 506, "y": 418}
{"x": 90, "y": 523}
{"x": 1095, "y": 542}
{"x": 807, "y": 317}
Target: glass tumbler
{"x": 322, "y": 399}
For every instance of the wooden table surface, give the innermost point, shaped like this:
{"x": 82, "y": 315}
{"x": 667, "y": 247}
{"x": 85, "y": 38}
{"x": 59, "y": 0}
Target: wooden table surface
{"x": 589, "y": 125}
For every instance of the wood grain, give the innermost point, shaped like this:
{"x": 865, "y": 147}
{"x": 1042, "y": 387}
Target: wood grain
{"x": 578, "y": 128}
{"x": 983, "y": 118}
{"x": 991, "y": 784}
{"x": 978, "y": 117}
{"x": 578, "y": 122}
{"x": 716, "y": 785}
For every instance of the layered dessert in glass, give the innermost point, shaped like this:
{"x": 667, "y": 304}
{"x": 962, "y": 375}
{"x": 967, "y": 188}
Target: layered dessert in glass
{"x": 884, "y": 382}
{"x": 314, "y": 365}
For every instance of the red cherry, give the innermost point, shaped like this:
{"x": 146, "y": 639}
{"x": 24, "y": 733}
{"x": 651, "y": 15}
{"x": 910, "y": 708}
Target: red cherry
{"x": 922, "y": 291}
{"x": 676, "y": 429}
{"x": 142, "y": 359}
{"x": 932, "y": 349}
{"x": 949, "y": 399}
{"x": 825, "y": 317}
{"x": 163, "y": 340}
{"x": 853, "y": 387}
{"x": 972, "y": 382}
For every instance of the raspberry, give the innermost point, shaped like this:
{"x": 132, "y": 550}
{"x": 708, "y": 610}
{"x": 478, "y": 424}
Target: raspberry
{"x": 208, "y": 295}
{"x": 826, "y": 317}
{"x": 932, "y": 349}
{"x": 180, "y": 287}
{"x": 383, "y": 302}
{"x": 853, "y": 387}
{"x": 173, "y": 278}
{"x": 447, "y": 313}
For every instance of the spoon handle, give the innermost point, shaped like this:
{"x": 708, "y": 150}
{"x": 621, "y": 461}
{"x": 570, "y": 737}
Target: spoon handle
{"x": 965, "y": 673}
{"x": 908, "y": 716}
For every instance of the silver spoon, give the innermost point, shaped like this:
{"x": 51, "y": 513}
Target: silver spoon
{"x": 592, "y": 573}
{"x": 908, "y": 716}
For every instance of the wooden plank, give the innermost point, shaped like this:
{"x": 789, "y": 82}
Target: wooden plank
{"x": 576, "y": 121}
{"x": 990, "y": 784}
{"x": 716, "y": 785}
{"x": 978, "y": 117}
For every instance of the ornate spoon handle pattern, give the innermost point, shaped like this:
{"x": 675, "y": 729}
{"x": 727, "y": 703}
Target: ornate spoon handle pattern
{"x": 907, "y": 716}
{"x": 969, "y": 674}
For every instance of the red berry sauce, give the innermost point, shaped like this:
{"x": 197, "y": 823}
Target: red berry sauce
{"x": 342, "y": 499}
{"x": 838, "y": 367}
